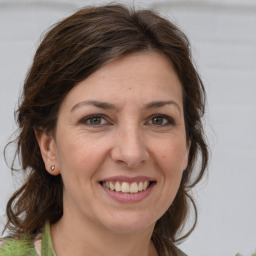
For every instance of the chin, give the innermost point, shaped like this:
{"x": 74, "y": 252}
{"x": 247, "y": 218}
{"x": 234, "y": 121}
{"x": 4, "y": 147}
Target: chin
{"x": 128, "y": 225}
{"x": 130, "y": 229}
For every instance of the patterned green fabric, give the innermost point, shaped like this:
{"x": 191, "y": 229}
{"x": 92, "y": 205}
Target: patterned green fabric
{"x": 24, "y": 247}
{"x": 47, "y": 246}
{"x": 21, "y": 247}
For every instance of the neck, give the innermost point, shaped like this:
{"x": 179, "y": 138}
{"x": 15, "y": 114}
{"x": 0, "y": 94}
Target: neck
{"x": 86, "y": 238}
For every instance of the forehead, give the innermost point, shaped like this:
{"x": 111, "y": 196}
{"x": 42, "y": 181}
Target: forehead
{"x": 139, "y": 77}
{"x": 139, "y": 65}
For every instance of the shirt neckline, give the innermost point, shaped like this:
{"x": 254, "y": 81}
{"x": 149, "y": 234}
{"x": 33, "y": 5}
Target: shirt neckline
{"x": 47, "y": 248}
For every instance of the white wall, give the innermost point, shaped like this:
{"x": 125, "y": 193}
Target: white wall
{"x": 223, "y": 37}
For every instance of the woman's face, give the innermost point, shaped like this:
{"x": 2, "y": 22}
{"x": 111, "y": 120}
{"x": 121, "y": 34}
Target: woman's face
{"x": 120, "y": 143}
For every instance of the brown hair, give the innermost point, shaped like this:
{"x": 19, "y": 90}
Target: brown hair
{"x": 71, "y": 51}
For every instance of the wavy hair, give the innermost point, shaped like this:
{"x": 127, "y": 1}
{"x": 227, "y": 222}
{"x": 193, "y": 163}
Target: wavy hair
{"x": 71, "y": 51}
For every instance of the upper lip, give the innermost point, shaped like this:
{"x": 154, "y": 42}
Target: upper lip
{"x": 129, "y": 179}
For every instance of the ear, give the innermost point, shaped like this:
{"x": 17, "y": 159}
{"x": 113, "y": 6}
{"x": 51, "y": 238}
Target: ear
{"x": 48, "y": 149}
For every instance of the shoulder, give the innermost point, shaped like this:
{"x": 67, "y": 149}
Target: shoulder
{"x": 17, "y": 247}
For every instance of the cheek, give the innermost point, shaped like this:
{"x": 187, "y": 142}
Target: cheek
{"x": 172, "y": 156}
{"x": 77, "y": 156}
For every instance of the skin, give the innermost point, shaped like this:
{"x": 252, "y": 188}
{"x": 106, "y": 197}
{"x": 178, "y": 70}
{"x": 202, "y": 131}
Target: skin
{"x": 128, "y": 141}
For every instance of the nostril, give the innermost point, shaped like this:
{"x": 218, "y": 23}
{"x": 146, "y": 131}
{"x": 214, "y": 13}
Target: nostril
{"x": 129, "y": 153}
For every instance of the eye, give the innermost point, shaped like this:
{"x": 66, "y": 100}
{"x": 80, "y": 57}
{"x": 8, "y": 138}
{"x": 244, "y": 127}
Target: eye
{"x": 161, "y": 120}
{"x": 94, "y": 120}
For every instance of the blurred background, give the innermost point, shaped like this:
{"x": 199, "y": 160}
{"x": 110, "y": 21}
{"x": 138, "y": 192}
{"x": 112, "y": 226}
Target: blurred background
{"x": 223, "y": 40}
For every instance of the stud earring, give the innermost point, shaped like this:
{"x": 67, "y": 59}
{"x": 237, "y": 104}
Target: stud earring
{"x": 52, "y": 167}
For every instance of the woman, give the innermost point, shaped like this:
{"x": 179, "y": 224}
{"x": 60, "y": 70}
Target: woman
{"x": 110, "y": 129}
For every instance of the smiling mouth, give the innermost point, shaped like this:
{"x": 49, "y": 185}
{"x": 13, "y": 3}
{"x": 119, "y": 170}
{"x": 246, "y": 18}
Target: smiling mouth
{"x": 126, "y": 187}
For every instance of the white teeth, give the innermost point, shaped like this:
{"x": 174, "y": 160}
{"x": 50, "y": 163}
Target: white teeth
{"x": 140, "y": 188}
{"x": 117, "y": 187}
{"x": 145, "y": 185}
{"x": 134, "y": 187}
{"x": 126, "y": 187}
{"x": 111, "y": 185}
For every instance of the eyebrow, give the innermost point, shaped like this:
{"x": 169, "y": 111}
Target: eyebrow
{"x": 159, "y": 104}
{"x": 98, "y": 104}
{"x": 106, "y": 105}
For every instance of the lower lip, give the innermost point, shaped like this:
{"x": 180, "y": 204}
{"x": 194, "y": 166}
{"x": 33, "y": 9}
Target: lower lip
{"x": 129, "y": 197}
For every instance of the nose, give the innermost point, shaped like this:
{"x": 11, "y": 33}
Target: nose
{"x": 129, "y": 147}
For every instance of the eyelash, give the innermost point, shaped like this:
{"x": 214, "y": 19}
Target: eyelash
{"x": 168, "y": 119}
{"x": 90, "y": 117}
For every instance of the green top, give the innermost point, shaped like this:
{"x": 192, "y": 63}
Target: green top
{"x": 24, "y": 247}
